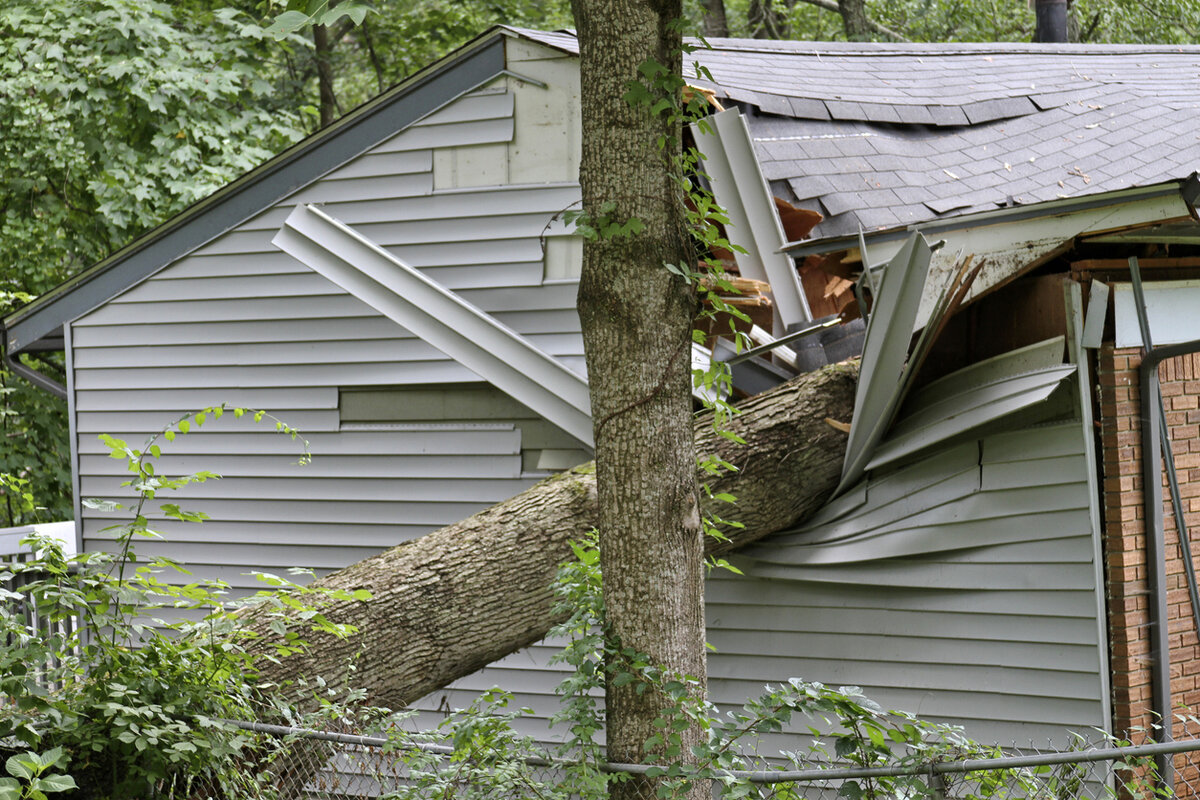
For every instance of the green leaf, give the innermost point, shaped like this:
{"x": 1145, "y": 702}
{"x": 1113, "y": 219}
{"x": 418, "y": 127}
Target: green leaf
{"x": 286, "y": 23}
{"x": 56, "y": 783}
{"x": 101, "y": 505}
{"x": 22, "y": 765}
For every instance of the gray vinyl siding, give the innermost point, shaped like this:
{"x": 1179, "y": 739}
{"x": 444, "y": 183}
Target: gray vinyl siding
{"x": 966, "y": 595}
{"x": 239, "y": 322}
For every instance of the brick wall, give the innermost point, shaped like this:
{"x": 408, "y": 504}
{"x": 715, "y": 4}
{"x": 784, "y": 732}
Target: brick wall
{"x": 1125, "y": 534}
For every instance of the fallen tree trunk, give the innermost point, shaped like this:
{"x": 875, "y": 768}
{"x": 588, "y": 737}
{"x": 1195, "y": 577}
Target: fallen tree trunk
{"x": 457, "y": 599}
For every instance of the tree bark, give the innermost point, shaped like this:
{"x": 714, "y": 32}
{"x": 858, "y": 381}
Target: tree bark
{"x": 636, "y": 318}
{"x": 473, "y": 592}
{"x": 854, "y": 20}
{"x": 716, "y": 24}
{"x": 323, "y": 53}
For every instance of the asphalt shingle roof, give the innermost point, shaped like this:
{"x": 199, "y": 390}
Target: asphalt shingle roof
{"x": 891, "y": 134}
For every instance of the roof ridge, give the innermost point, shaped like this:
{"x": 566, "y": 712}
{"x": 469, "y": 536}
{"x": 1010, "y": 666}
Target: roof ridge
{"x": 876, "y": 49}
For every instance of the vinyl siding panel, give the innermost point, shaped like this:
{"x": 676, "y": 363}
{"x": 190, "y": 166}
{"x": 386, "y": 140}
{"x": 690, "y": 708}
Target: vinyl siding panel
{"x": 988, "y": 622}
{"x": 239, "y": 322}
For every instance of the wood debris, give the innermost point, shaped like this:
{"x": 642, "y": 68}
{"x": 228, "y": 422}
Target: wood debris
{"x": 798, "y": 223}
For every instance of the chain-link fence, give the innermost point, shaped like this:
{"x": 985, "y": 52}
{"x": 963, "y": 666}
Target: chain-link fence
{"x": 289, "y": 762}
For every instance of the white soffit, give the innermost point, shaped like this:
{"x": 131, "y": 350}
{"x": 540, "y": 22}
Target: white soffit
{"x": 741, "y": 190}
{"x": 1172, "y": 307}
{"x": 1009, "y": 247}
{"x": 470, "y": 336}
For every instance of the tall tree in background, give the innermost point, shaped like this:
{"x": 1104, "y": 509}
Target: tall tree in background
{"x": 340, "y": 55}
{"x": 115, "y": 115}
{"x": 637, "y": 322}
{"x": 1096, "y": 21}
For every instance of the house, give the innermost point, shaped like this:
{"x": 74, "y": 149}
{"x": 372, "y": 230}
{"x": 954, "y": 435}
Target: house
{"x": 401, "y": 288}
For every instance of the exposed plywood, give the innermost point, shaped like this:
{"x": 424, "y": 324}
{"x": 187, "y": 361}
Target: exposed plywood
{"x": 546, "y": 144}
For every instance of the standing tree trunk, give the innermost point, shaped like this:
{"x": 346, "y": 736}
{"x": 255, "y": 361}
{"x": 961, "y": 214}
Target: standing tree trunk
{"x": 855, "y": 21}
{"x": 768, "y": 19}
{"x": 715, "y": 21}
{"x": 323, "y": 53}
{"x": 636, "y": 318}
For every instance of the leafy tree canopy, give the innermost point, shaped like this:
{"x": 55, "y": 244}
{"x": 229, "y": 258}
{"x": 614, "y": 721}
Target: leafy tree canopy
{"x": 115, "y": 115}
{"x": 1095, "y": 21}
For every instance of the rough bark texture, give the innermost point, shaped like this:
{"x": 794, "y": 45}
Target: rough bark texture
{"x": 636, "y": 318}
{"x": 461, "y": 597}
{"x": 854, "y": 20}
{"x": 715, "y": 21}
{"x": 323, "y": 53}
{"x": 768, "y": 18}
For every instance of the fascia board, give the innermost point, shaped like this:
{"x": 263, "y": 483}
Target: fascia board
{"x": 1010, "y": 244}
{"x": 465, "y": 333}
{"x": 1169, "y": 190}
{"x": 259, "y": 189}
{"x": 743, "y": 187}
{"x": 1011, "y": 247}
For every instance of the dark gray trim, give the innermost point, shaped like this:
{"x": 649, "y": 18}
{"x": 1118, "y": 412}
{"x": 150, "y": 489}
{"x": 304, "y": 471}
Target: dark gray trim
{"x": 259, "y": 189}
{"x": 1156, "y": 453}
{"x": 1156, "y": 578}
{"x": 33, "y": 376}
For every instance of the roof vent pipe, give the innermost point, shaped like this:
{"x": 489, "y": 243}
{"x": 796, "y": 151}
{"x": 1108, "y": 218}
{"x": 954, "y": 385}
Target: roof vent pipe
{"x": 1051, "y": 20}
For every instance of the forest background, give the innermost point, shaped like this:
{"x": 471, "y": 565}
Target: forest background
{"x": 117, "y": 114}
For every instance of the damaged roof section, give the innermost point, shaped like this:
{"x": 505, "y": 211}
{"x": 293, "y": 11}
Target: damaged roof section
{"x": 895, "y": 134}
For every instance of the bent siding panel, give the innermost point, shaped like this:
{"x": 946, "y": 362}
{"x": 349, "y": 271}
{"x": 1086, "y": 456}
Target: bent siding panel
{"x": 959, "y": 633}
{"x": 241, "y": 323}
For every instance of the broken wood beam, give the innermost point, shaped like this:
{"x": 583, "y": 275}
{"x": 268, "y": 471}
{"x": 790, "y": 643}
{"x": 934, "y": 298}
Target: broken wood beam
{"x": 1122, "y": 264}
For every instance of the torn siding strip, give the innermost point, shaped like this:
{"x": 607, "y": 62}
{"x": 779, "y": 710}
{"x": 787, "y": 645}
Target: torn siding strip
{"x": 468, "y": 335}
{"x": 971, "y": 410}
{"x": 739, "y": 186}
{"x": 885, "y": 352}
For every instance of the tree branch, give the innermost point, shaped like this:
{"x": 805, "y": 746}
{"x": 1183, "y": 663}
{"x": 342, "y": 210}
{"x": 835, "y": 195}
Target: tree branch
{"x": 831, "y": 5}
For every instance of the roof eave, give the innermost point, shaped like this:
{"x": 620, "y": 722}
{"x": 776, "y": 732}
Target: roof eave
{"x": 1187, "y": 188}
{"x": 468, "y": 67}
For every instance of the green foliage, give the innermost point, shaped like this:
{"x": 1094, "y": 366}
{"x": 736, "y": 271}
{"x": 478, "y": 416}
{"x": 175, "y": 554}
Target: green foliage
{"x": 376, "y": 45}
{"x": 116, "y": 114}
{"x": 299, "y": 14}
{"x": 33, "y": 437}
{"x": 1095, "y": 21}
{"x": 32, "y": 776}
{"x": 125, "y": 700}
